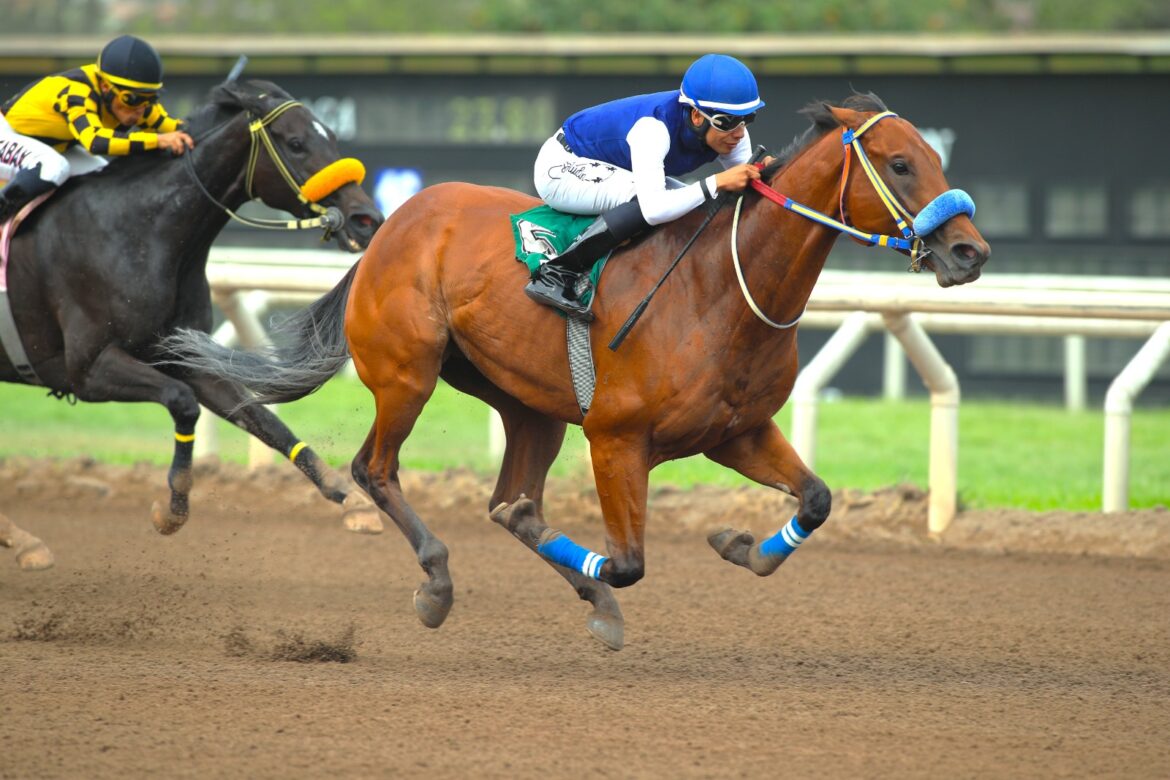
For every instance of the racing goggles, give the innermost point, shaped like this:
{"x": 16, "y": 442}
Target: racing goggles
{"x": 134, "y": 99}
{"x": 725, "y": 123}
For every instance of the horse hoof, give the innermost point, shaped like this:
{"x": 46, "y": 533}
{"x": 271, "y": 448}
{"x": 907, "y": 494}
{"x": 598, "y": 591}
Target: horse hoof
{"x": 740, "y": 548}
{"x": 607, "y": 629}
{"x": 360, "y": 515}
{"x": 37, "y": 557}
{"x": 363, "y": 522}
{"x": 431, "y": 610}
{"x": 732, "y": 545}
{"x": 165, "y": 523}
{"x": 521, "y": 519}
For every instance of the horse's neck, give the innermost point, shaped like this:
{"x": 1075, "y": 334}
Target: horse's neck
{"x": 782, "y": 253}
{"x": 219, "y": 163}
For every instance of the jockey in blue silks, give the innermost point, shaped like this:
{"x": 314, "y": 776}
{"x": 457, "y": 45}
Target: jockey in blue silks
{"x": 619, "y": 160}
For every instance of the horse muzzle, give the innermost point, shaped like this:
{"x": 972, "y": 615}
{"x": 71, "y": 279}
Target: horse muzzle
{"x": 956, "y": 250}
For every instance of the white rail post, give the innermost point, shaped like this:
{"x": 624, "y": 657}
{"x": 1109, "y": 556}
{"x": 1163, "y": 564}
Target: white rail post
{"x": 943, "y": 385}
{"x": 242, "y": 311}
{"x": 1118, "y": 410}
{"x": 1075, "y": 374}
{"x": 813, "y": 378}
{"x": 893, "y": 368}
{"x": 206, "y": 431}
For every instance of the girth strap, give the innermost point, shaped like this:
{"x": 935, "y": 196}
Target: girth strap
{"x": 9, "y": 336}
{"x": 10, "y": 340}
{"x": 581, "y": 369}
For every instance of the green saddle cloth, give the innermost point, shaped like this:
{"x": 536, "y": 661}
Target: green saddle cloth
{"x": 544, "y": 232}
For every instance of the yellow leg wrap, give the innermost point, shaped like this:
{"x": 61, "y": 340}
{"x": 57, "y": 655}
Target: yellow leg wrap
{"x": 296, "y": 450}
{"x": 184, "y": 437}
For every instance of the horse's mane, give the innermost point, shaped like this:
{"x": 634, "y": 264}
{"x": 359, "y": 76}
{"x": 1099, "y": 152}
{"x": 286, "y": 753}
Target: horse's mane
{"x": 223, "y": 102}
{"x": 228, "y": 99}
{"x": 823, "y": 122}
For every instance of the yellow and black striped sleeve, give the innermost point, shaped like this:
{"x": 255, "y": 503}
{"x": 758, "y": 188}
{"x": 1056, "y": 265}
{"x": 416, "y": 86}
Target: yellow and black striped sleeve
{"x": 157, "y": 119}
{"x": 79, "y": 105}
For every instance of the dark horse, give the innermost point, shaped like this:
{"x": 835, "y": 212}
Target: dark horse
{"x": 438, "y": 293}
{"x": 116, "y": 260}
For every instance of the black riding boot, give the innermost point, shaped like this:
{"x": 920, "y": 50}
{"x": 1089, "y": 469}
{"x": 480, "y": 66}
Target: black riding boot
{"x": 25, "y": 185}
{"x": 553, "y": 283}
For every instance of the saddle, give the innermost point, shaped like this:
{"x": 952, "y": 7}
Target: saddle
{"x": 544, "y": 232}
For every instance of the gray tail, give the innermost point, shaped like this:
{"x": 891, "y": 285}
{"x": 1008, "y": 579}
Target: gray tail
{"x": 310, "y": 349}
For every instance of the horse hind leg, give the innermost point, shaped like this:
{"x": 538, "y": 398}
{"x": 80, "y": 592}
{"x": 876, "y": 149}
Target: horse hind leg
{"x": 31, "y": 552}
{"x": 434, "y": 597}
{"x": 115, "y": 375}
{"x": 375, "y": 469}
{"x": 359, "y": 514}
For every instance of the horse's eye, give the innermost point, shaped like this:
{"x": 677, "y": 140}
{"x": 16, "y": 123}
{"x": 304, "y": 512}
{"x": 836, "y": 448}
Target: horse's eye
{"x": 900, "y": 167}
{"x": 296, "y": 145}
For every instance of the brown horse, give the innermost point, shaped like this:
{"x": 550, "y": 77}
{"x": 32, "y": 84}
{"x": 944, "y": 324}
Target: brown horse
{"x": 439, "y": 294}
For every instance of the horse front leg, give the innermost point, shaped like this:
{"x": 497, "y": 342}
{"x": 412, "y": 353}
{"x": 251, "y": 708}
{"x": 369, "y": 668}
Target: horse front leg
{"x": 533, "y": 442}
{"x": 223, "y": 398}
{"x": 115, "y": 375}
{"x": 765, "y": 456}
{"x": 621, "y": 473}
{"x": 31, "y": 552}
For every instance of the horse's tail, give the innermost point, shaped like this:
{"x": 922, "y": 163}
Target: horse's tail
{"x": 308, "y": 349}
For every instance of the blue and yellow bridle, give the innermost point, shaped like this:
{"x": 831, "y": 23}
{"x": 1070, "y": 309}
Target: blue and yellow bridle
{"x": 946, "y": 206}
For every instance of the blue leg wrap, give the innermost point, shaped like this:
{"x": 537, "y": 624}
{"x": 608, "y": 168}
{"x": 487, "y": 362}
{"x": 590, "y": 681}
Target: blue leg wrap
{"x": 563, "y": 550}
{"x": 786, "y": 540}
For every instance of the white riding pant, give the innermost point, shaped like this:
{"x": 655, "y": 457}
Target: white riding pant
{"x": 19, "y": 152}
{"x": 580, "y": 185}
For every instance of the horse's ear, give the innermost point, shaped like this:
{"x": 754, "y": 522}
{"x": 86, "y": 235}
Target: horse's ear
{"x": 236, "y": 93}
{"x": 846, "y": 117}
{"x": 820, "y": 113}
{"x": 233, "y": 88}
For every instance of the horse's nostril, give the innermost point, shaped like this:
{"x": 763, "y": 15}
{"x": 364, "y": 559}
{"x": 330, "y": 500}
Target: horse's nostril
{"x": 966, "y": 252}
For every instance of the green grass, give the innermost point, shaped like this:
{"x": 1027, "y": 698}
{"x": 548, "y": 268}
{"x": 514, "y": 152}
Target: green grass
{"x": 1010, "y": 455}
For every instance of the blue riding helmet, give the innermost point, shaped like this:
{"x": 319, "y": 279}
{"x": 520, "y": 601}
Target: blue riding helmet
{"x": 717, "y": 83}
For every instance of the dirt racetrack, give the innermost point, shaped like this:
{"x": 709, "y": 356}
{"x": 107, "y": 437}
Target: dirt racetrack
{"x": 263, "y": 641}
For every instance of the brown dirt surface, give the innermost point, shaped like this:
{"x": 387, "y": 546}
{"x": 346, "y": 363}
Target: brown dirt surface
{"x": 264, "y": 641}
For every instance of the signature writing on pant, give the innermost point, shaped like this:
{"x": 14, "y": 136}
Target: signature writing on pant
{"x": 592, "y": 171}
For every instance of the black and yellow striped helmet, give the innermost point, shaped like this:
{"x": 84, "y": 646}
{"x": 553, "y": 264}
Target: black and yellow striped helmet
{"x": 131, "y": 63}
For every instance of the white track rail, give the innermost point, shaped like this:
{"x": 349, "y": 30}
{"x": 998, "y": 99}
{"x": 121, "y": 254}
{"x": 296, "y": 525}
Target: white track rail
{"x": 855, "y": 303}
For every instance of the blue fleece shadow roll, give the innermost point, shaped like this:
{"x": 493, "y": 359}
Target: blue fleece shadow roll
{"x": 950, "y": 204}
